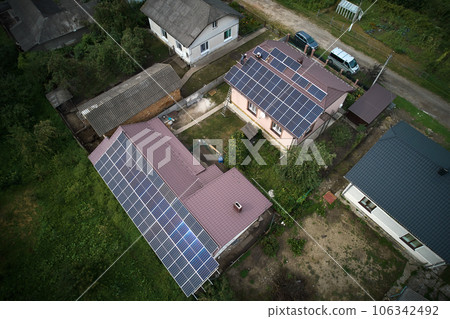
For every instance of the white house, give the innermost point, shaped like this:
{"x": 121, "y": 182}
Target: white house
{"x": 192, "y": 28}
{"x": 403, "y": 185}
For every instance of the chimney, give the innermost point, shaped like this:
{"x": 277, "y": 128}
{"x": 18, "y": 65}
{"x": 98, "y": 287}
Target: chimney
{"x": 442, "y": 171}
{"x": 238, "y": 207}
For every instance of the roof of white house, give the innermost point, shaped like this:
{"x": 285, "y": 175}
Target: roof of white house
{"x": 186, "y": 19}
{"x": 401, "y": 174}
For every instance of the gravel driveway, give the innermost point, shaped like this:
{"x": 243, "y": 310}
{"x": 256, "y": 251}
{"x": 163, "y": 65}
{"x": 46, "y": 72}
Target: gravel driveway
{"x": 420, "y": 97}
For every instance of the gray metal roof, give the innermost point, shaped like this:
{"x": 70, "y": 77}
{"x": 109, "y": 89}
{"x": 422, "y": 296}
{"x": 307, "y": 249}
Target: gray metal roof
{"x": 400, "y": 175}
{"x": 58, "y": 97}
{"x": 112, "y": 108}
{"x": 186, "y": 19}
{"x": 44, "y": 20}
{"x": 372, "y": 103}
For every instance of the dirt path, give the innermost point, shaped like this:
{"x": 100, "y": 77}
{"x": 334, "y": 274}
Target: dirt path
{"x": 420, "y": 97}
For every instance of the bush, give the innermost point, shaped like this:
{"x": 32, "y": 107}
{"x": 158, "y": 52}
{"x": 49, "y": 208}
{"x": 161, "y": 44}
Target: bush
{"x": 244, "y": 273}
{"x": 340, "y": 134}
{"x": 297, "y": 245}
{"x": 270, "y": 246}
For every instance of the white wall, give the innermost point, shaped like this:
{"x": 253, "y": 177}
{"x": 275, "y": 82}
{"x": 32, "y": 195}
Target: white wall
{"x": 215, "y": 38}
{"x": 423, "y": 254}
{"x": 333, "y": 108}
{"x": 170, "y": 41}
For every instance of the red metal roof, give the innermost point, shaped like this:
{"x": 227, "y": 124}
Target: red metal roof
{"x": 213, "y": 206}
{"x": 208, "y": 193}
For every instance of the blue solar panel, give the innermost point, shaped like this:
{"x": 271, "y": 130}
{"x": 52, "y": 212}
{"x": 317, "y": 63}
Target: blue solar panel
{"x": 278, "y": 65}
{"x": 148, "y": 202}
{"x": 320, "y": 95}
{"x": 264, "y": 53}
{"x": 313, "y": 89}
{"x": 278, "y": 54}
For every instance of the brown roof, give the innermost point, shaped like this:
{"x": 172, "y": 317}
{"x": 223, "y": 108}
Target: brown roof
{"x": 372, "y": 103}
{"x": 213, "y": 206}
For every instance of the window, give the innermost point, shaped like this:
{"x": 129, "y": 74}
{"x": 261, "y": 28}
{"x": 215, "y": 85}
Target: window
{"x": 179, "y": 46}
{"x": 276, "y": 128}
{"x": 411, "y": 241}
{"x": 164, "y": 33}
{"x": 367, "y": 204}
{"x": 214, "y": 24}
{"x": 227, "y": 35}
{"x": 204, "y": 48}
{"x": 251, "y": 107}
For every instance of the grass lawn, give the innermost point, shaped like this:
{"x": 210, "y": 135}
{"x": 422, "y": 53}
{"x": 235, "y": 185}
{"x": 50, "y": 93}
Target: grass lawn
{"x": 423, "y": 119}
{"x": 220, "y": 66}
{"x": 214, "y": 127}
{"x": 221, "y": 93}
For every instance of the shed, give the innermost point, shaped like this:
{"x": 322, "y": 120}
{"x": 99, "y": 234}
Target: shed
{"x": 370, "y": 105}
{"x": 138, "y": 99}
{"x": 58, "y": 97}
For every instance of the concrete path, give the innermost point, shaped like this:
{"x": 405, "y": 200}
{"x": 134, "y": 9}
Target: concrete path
{"x": 199, "y": 119}
{"x": 220, "y": 53}
{"x": 419, "y": 96}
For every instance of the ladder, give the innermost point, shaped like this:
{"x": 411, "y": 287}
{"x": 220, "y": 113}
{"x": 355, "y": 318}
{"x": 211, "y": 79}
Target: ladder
{"x": 227, "y": 101}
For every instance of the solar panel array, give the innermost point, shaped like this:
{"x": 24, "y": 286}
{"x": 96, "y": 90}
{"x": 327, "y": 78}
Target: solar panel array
{"x": 179, "y": 241}
{"x": 281, "y": 61}
{"x": 288, "y": 106}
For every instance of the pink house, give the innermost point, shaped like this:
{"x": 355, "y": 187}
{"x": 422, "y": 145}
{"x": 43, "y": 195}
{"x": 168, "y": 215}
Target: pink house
{"x": 285, "y": 93}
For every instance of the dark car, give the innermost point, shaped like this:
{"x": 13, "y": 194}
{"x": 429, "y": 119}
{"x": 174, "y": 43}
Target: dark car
{"x": 302, "y": 38}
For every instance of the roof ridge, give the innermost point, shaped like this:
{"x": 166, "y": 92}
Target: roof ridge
{"x": 408, "y": 145}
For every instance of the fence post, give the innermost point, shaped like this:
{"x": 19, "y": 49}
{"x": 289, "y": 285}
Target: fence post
{"x": 287, "y": 37}
{"x": 356, "y": 82}
{"x": 312, "y": 52}
{"x": 326, "y": 62}
{"x": 306, "y": 48}
{"x": 340, "y": 72}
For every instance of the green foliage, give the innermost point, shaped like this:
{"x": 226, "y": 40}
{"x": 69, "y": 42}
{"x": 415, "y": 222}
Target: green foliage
{"x": 302, "y": 5}
{"x": 305, "y": 174}
{"x": 249, "y": 23}
{"x": 270, "y": 245}
{"x": 236, "y": 151}
{"x": 219, "y": 291}
{"x": 352, "y": 97}
{"x": 244, "y": 273}
{"x": 297, "y": 245}
{"x": 341, "y": 134}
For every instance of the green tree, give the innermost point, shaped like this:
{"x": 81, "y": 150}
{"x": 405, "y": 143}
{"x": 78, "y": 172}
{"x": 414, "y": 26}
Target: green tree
{"x": 305, "y": 174}
{"x": 236, "y": 151}
{"x": 133, "y": 42}
{"x": 45, "y": 134}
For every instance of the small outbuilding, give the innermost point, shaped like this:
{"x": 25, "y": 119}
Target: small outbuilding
{"x": 370, "y": 105}
{"x": 137, "y": 99}
{"x": 349, "y": 10}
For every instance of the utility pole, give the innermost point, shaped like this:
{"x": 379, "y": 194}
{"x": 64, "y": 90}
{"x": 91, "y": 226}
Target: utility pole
{"x": 355, "y": 17}
{"x": 381, "y": 71}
